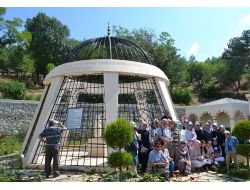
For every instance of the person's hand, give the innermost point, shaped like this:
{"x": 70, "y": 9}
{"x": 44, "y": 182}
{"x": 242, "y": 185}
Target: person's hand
{"x": 164, "y": 164}
{"x": 189, "y": 163}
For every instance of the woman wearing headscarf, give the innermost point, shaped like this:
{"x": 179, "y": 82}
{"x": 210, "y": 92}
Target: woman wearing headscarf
{"x": 144, "y": 146}
{"x": 183, "y": 159}
{"x": 197, "y": 160}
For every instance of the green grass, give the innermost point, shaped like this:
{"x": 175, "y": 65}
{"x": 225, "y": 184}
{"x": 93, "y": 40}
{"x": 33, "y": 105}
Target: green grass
{"x": 9, "y": 144}
{"x": 34, "y": 94}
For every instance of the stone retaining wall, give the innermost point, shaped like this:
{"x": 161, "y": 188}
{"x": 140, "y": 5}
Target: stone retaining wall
{"x": 16, "y": 115}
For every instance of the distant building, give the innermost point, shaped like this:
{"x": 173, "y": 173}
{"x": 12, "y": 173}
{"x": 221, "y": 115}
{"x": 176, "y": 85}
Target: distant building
{"x": 226, "y": 111}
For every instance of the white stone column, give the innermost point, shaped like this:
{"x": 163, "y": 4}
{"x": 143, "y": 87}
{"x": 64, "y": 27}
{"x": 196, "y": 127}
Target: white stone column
{"x": 111, "y": 96}
{"x": 111, "y": 90}
{"x": 166, "y": 98}
{"x": 34, "y": 118}
{"x": 43, "y": 118}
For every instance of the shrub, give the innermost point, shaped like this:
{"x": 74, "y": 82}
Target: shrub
{"x": 209, "y": 90}
{"x": 13, "y": 90}
{"x": 119, "y": 159}
{"x": 150, "y": 177}
{"x": 118, "y": 133}
{"x": 241, "y": 173}
{"x": 181, "y": 96}
{"x": 9, "y": 175}
{"x": 242, "y": 130}
{"x": 243, "y": 149}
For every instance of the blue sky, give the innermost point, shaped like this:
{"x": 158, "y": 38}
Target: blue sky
{"x": 203, "y": 32}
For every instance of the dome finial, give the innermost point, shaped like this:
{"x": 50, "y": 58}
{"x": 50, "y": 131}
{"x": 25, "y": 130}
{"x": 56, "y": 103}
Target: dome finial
{"x": 109, "y": 30}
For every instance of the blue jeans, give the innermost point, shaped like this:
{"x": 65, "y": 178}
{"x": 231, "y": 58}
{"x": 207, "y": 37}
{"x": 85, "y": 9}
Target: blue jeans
{"x": 171, "y": 166}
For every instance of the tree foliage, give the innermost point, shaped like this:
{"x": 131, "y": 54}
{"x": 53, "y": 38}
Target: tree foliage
{"x": 118, "y": 133}
{"x": 242, "y": 130}
{"x": 49, "y": 41}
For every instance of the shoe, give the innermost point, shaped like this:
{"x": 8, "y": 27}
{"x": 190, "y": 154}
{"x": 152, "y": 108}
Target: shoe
{"x": 56, "y": 175}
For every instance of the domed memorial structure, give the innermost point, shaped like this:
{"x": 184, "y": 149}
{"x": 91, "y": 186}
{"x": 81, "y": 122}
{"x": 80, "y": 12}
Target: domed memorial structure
{"x": 100, "y": 80}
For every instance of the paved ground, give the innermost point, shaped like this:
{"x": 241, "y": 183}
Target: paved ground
{"x": 201, "y": 177}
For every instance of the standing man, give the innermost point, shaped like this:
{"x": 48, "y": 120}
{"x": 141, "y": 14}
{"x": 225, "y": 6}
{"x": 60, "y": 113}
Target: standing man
{"x": 230, "y": 149}
{"x": 51, "y": 136}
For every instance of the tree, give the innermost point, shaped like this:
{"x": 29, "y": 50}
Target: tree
{"x": 2, "y": 12}
{"x": 242, "y": 131}
{"x": 196, "y": 72}
{"x": 237, "y": 57}
{"x": 49, "y": 67}
{"x": 4, "y": 61}
{"x": 15, "y": 41}
{"x": 118, "y": 134}
{"x": 49, "y": 41}
{"x": 27, "y": 65}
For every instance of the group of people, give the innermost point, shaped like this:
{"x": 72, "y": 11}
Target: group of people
{"x": 162, "y": 147}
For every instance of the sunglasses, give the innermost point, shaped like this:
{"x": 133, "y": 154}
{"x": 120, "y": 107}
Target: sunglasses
{"x": 158, "y": 146}
{"x": 182, "y": 143}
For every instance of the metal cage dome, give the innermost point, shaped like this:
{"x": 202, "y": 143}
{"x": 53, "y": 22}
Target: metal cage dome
{"x": 108, "y": 48}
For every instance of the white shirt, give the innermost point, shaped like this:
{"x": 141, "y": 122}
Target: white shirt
{"x": 164, "y": 132}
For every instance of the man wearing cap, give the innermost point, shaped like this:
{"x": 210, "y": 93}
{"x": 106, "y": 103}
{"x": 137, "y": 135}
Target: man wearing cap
{"x": 230, "y": 148}
{"x": 51, "y": 136}
{"x": 190, "y": 134}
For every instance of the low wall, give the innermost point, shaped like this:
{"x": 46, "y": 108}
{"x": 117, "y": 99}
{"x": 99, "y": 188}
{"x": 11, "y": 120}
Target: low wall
{"x": 16, "y": 115}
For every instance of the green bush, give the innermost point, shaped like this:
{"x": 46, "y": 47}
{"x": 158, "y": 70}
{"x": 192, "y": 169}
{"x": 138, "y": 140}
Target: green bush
{"x": 150, "y": 177}
{"x": 118, "y": 133}
{"x": 240, "y": 173}
{"x": 243, "y": 149}
{"x": 209, "y": 90}
{"x": 9, "y": 175}
{"x": 119, "y": 159}
{"x": 181, "y": 96}
{"x": 242, "y": 130}
{"x": 13, "y": 90}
